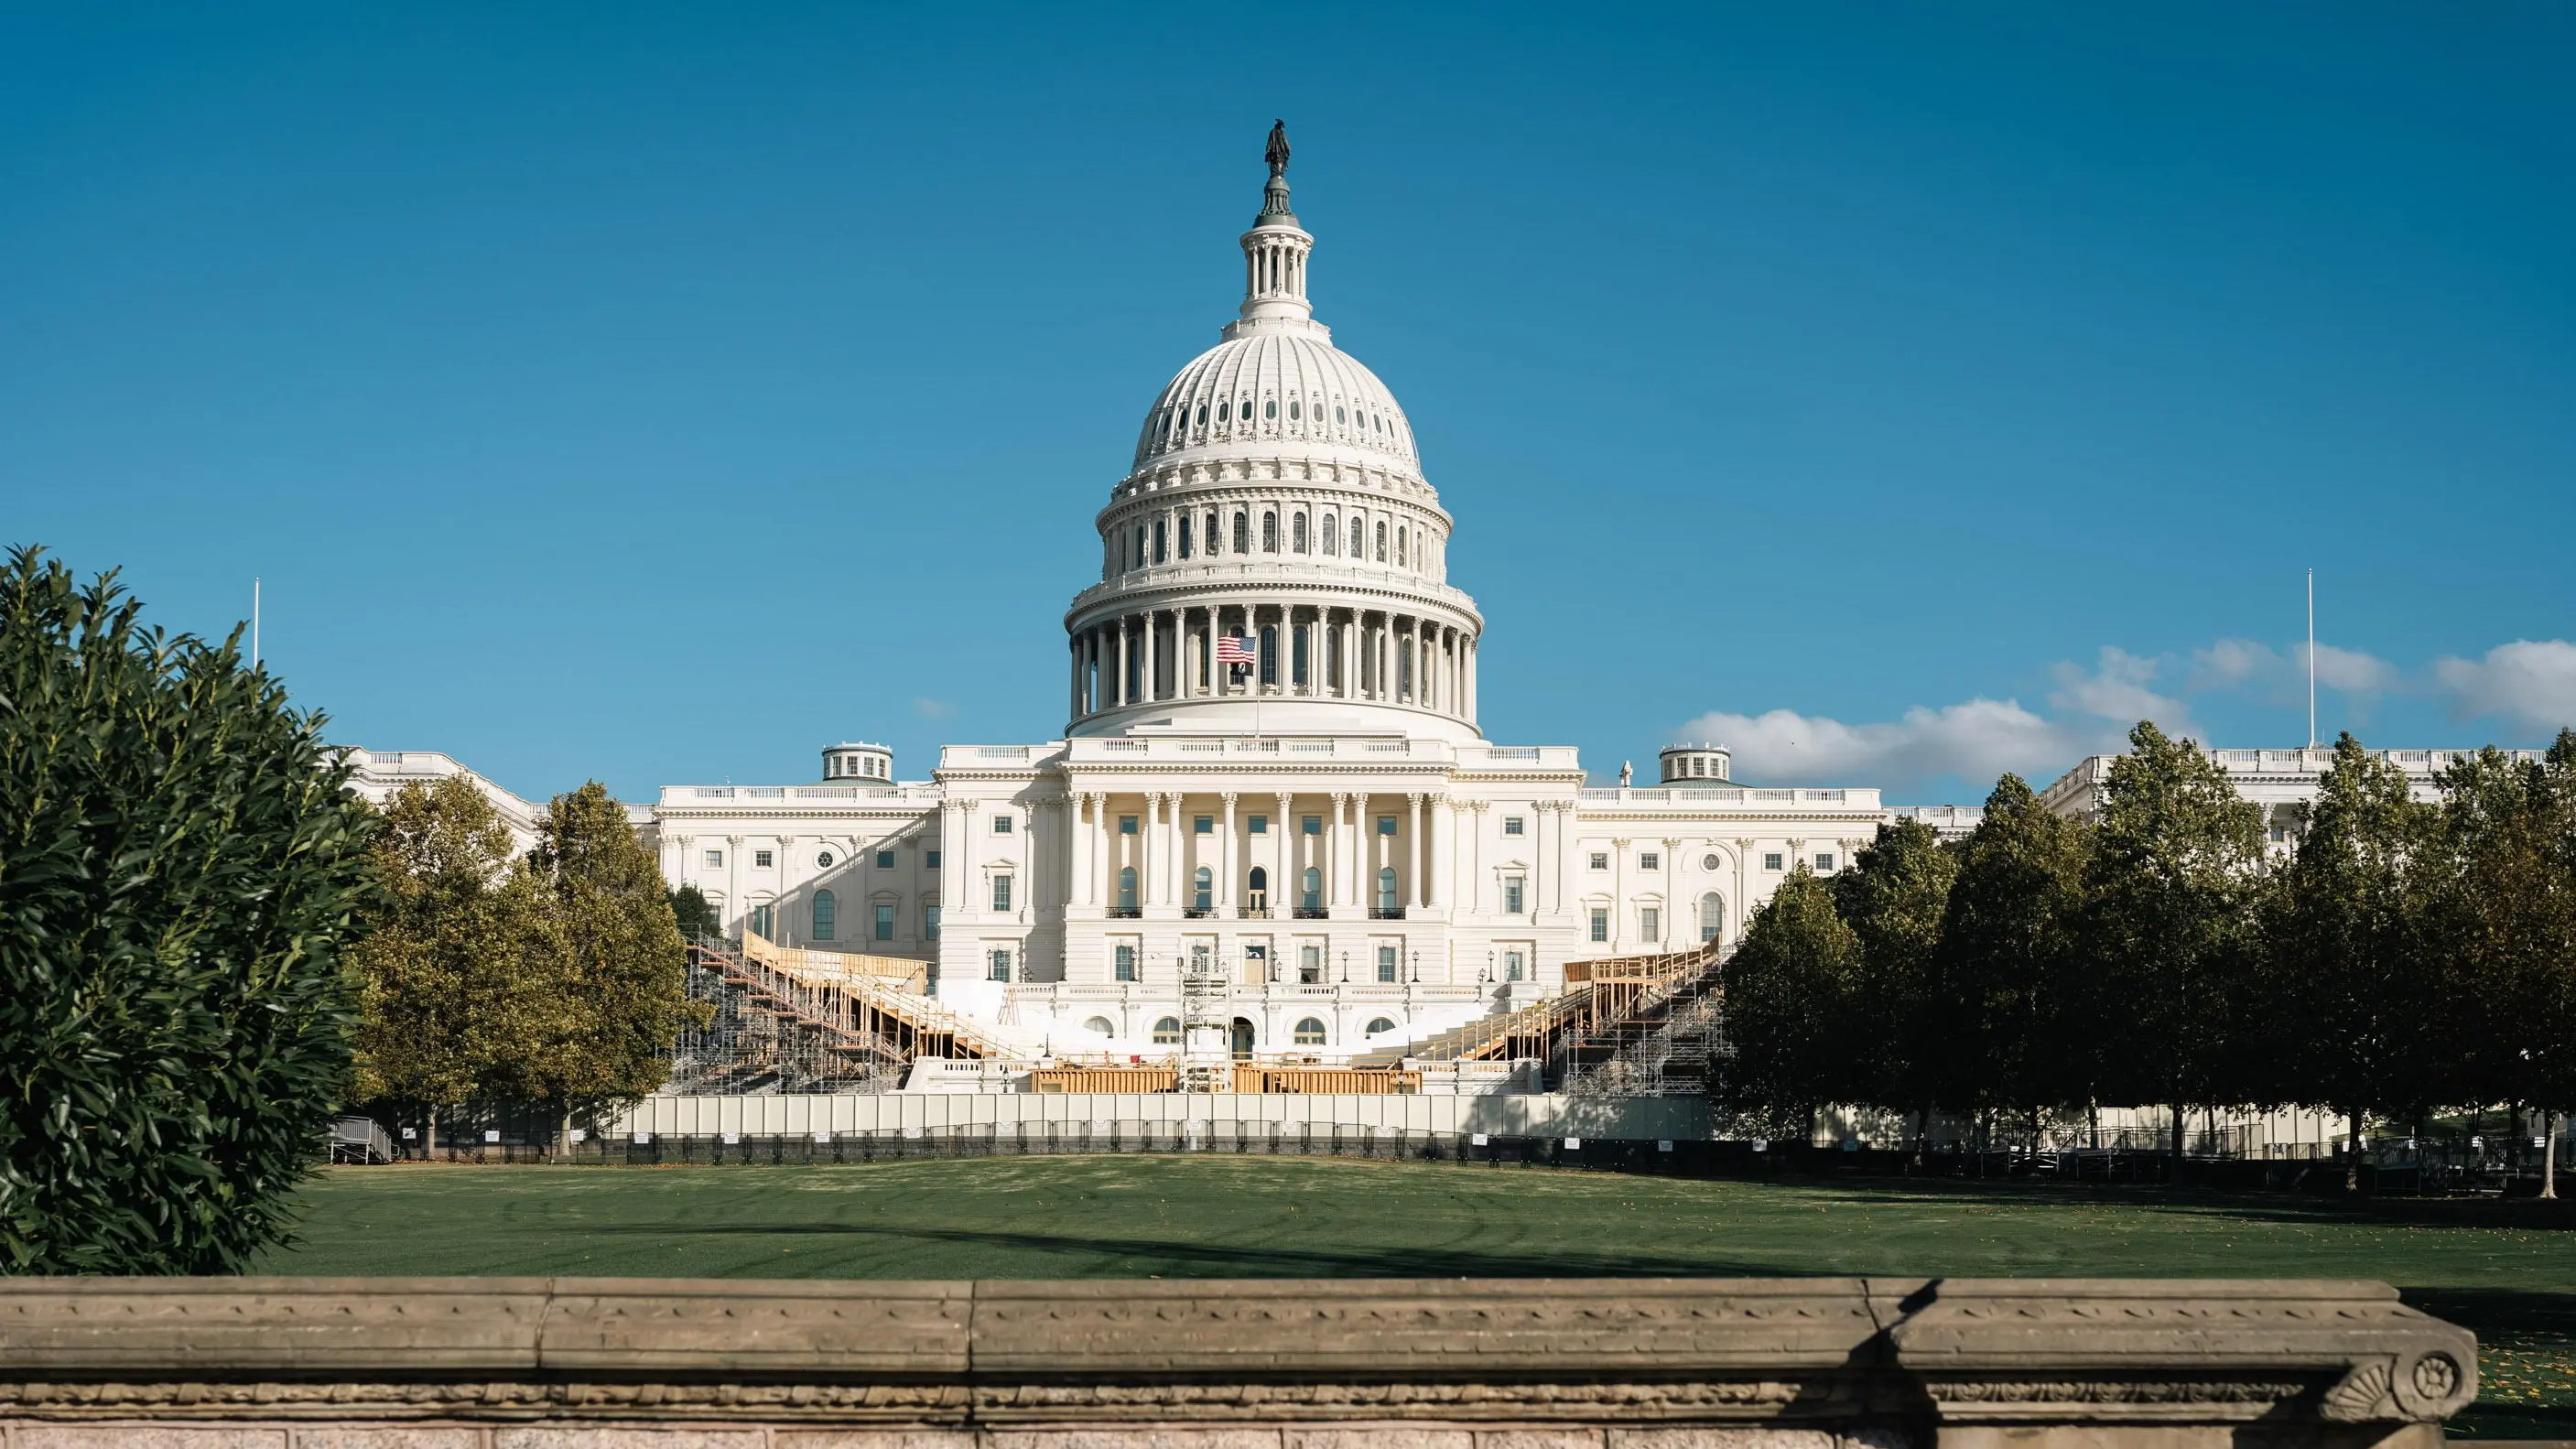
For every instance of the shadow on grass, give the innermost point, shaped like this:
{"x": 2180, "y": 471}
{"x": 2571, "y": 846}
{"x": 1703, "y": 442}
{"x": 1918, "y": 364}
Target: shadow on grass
{"x": 2528, "y": 1214}
{"x": 1212, "y": 1260}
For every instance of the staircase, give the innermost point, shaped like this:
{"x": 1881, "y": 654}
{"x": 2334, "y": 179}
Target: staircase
{"x": 1607, "y": 1012}
{"x": 805, "y": 1020}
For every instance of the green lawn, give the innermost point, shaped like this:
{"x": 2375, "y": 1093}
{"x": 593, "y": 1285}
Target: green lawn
{"x": 2507, "y": 1270}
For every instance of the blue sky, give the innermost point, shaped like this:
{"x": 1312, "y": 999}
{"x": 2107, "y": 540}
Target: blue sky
{"x": 1901, "y": 393}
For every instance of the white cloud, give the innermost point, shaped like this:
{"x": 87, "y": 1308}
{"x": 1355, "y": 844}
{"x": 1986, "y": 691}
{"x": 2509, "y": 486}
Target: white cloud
{"x": 2117, "y": 689}
{"x": 2532, "y": 681}
{"x": 1978, "y": 740}
{"x": 933, "y": 708}
{"x": 2281, "y": 674}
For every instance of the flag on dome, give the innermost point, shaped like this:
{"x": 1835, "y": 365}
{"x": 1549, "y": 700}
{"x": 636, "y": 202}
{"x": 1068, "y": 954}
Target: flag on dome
{"x": 1236, "y": 649}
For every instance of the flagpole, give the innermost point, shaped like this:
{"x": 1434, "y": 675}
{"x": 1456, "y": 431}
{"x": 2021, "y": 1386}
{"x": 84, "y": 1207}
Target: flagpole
{"x": 254, "y": 621}
{"x": 2312, "y": 659}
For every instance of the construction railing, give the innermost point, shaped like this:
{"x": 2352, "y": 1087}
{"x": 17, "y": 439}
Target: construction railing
{"x": 884, "y": 993}
{"x": 1604, "y": 1003}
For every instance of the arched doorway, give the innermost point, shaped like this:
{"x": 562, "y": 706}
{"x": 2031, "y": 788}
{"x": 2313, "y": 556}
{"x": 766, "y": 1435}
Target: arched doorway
{"x": 1242, "y": 1039}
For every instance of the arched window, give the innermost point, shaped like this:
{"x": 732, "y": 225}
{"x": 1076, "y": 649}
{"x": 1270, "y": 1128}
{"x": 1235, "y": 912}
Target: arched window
{"x": 1332, "y": 534}
{"x": 1099, "y": 1026}
{"x": 1162, "y": 541}
{"x": 1386, "y": 888}
{"x": 1269, "y": 532}
{"x": 1223, "y": 410}
{"x": 1338, "y": 415}
{"x": 1185, "y": 535}
{"x": 1381, "y": 541}
{"x": 1712, "y": 916}
{"x": 1310, "y": 890}
{"x": 1203, "y": 889}
{"x": 1292, "y": 410}
{"x": 1358, "y": 548}
{"x": 1257, "y": 889}
{"x": 1270, "y": 408}
{"x": 1379, "y": 1025}
{"x": 1167, "y": 1031}
{"x": 1215, "y": 541}
{"x": 1399, "y": 548}
{"x": 824, "y": 925}
{"x": 1203, "y": 415}
{"x": 1243, "y": 409}
{"x": 1297, "y": 532}
{"x": 1126, "y": 887}
{"x": 1243, "y": 533}
{"x": 1310, "y": 1032}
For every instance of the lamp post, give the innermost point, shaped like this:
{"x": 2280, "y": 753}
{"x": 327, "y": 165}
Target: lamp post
{"x": 1346, "y": 968}
{"x": 1417, "y": 968}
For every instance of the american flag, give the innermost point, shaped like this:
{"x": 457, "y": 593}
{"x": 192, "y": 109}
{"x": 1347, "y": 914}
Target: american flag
{"x": 1236, "y": 649}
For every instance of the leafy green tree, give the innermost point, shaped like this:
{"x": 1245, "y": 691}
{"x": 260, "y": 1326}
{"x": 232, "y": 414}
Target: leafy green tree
{"x": 1893, "y": 898}
{"x": 2002, "y": 1005}
{"x": 2343, "y": 1004}
{"x": 2169, "y": 924}
{"x": 610, "y": 962}
{"x": 697, "y": 916}
{"x": 1790, "y": 1004}
{"x": 179, "y": 857}
{"x": 2506, "y": 917}
{"x": 442, "y": 954}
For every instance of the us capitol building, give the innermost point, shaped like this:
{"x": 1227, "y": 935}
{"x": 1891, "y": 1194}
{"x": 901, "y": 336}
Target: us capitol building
{"x": 1271, "y": 770}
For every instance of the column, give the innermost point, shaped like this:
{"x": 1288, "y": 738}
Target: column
{"x": 1225, "y": 871}
{"x": 949, "y": 874}
{"x": 1145, "y": 857}
{"x": 1471, "y": 679}
{"x": 1283, "y": 885}
{"x": 1618, "y": 893}
{"x": 1336, "y": 842}
{"x": 1153, "y": 642}
{"x": 1077, "y": 842}
{"x": 1120, "y": 693}
{"x": 1551, "y": 851}
{"x": 1444, "y": 863}
{"x": 1672, "y": 894}
{"x": 1413, "y": 843}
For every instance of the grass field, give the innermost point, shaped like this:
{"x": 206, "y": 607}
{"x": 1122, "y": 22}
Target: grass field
{"x": 2507, "y": 1270}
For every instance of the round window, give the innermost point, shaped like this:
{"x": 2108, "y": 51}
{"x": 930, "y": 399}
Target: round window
{"x": 1708, "y": 862}
{"x": 824, "y": 861}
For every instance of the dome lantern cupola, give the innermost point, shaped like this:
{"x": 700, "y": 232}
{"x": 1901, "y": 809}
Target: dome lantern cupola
{"x": 1274, "y": 252}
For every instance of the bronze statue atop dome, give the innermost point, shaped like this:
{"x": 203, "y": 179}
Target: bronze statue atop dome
{"x": 1277, "y": 154}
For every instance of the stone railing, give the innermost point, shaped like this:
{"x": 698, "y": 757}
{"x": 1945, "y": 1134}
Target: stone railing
{"x": 1821, "y": 1363}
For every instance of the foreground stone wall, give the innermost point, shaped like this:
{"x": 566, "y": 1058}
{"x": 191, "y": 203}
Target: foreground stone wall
{"x": 1833, "y": 1363}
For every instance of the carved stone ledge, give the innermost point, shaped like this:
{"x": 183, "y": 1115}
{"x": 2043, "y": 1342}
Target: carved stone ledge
{"x": 1845, "y": 1363}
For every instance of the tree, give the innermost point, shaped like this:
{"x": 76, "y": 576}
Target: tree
{"x": 2506, "y": 918}
{"x": 2343, "y": 999}
{"x": 697, "y": 916}
{"x": 1789, "y": 1003}
{"x": 442, "y": 954}
{"x": 609, "y": 962}
{"x": 1893, "y": 898}
{"x": 179, "y": 857}
{"x": 2177, "y": 860}
{"x": 2002, "y": 1003}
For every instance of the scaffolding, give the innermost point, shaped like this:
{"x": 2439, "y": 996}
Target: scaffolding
{"x": 781, "y": 1019}
{"x": 1625, "y": 1026}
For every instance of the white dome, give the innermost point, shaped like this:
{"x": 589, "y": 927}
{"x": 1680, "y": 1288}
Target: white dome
{"x": 1277, "y": 384}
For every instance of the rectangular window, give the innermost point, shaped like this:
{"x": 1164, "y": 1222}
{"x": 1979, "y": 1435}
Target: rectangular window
{"x": 885, "y": 923}
{"x": 1600, "y": 923}
{"x": 1203, "y": 825}
{"x": 1001, "y": 969}
{"x": 1650, "y": 860}
{"x": 1825, "y": 860}
{"x": 760, "y": 860}
{"x": 930, "y": 923}
{"x": 1126, "y": 963}
{"x": 761, "y": 918}
{"x": 1386, "y": 825}
{"x": 1260, "y": 825}
{"x": 885, "y": 860}
{"x": 1512, "y": 825}
{"x": 1386, "y": 968}
{"x": 1650, "y": 922}
{"x": 1600, "y": 860}
{"x": 1001, "y": 893}
{"x": 1310, "y": 957}
{"x": 1126, "y": 824}
{"x": 1771, "y": 862}
{"x": 930, "y": 860}
{"x": 1311, "y": 825}
{"x": 1512, "y": 965}
{"x": 1511, "y": 895}
{"x": 715, "y": 860}
{"x": 1001, "y": 825}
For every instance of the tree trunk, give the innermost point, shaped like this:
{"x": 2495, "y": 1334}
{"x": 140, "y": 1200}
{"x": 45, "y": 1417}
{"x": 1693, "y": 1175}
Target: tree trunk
{"x": 2177, "y": 1141}
{"x": 2352, "y": 1150}
{"x": 563, "y": 1136}
{"x": 2548, "y": 1154}
{"x": 429, "y": 1144}
{"x": 1922, "y": 1129}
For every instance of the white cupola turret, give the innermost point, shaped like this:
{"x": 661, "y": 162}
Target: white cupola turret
{"x": 1695, "y": 764}
{"x": 1274, "y": 254}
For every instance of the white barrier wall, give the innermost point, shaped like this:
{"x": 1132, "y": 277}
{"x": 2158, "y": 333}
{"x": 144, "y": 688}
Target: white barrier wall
{"x": 1516, "y": 1115}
